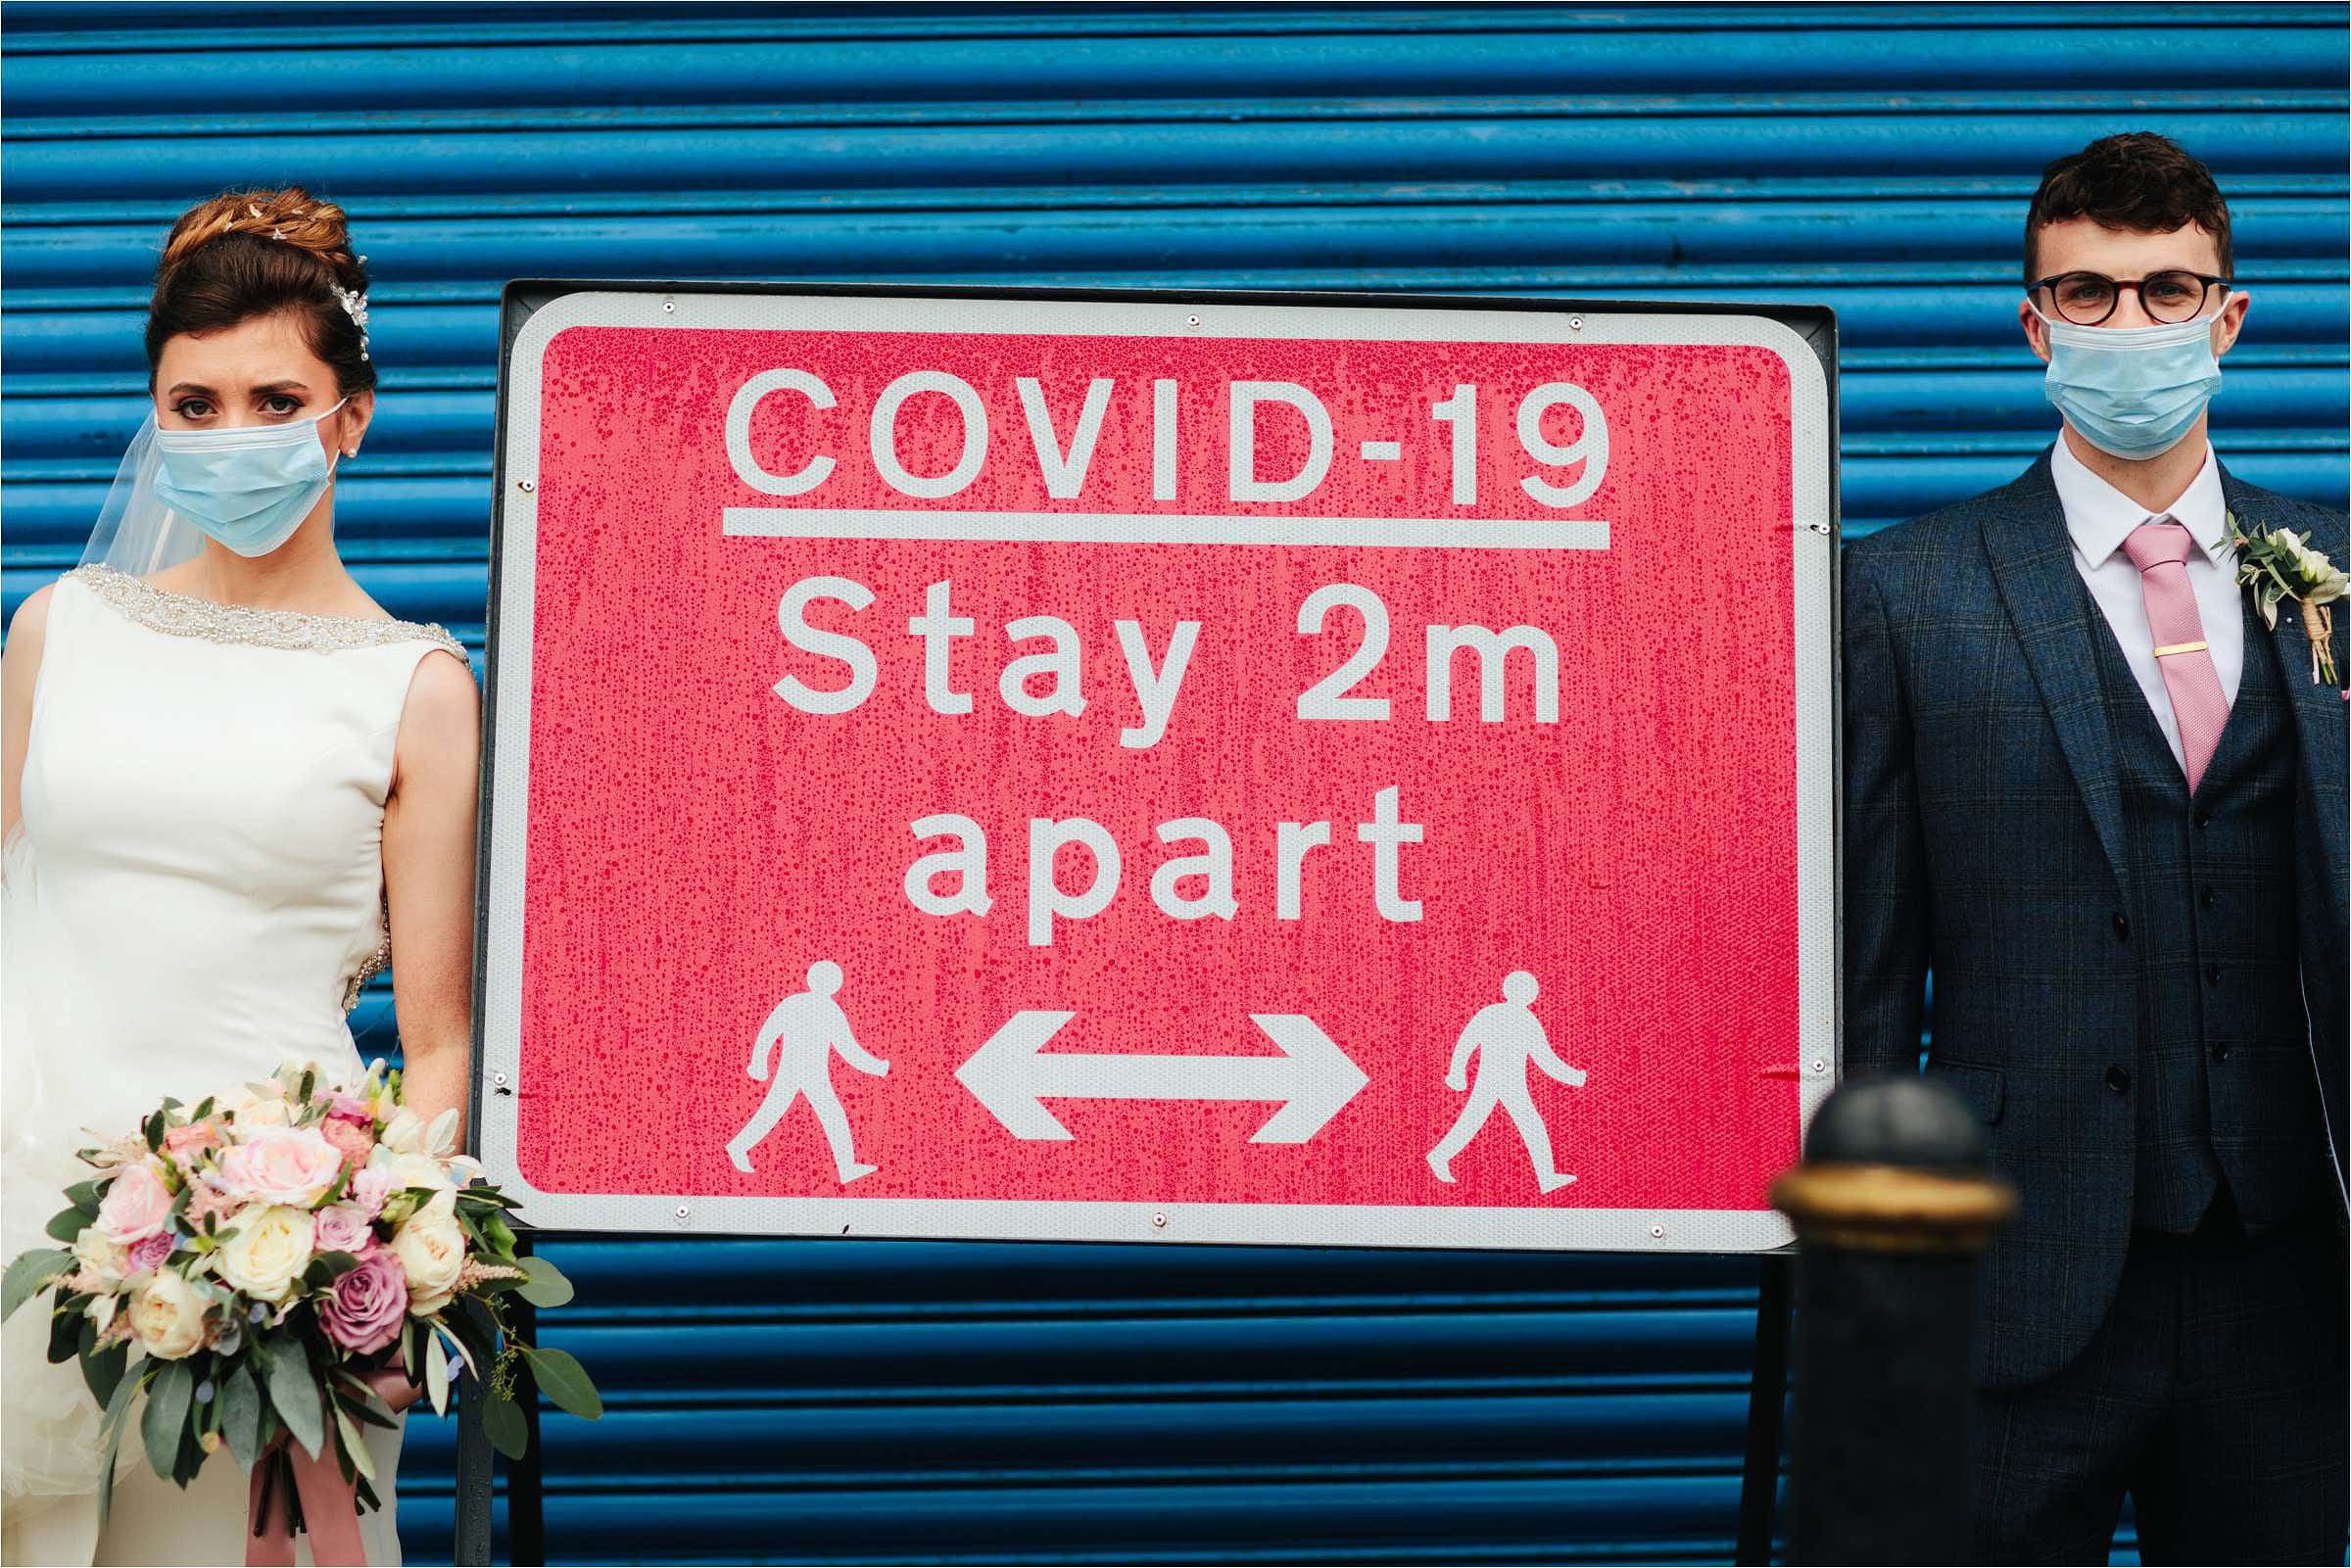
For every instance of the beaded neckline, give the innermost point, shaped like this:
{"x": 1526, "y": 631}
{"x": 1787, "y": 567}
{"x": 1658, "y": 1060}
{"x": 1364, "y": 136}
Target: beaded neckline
{"x": 186, "y": 615}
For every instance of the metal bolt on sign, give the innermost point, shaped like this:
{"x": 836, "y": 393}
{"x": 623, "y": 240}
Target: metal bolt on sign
{"x": 1575, "y": 323}
{"x": 526, "y": 486}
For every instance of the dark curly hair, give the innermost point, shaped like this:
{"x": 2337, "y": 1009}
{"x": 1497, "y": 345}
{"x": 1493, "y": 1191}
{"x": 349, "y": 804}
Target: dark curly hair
{"x": 2139, "y": 181}
{"x": 254, "y": 253}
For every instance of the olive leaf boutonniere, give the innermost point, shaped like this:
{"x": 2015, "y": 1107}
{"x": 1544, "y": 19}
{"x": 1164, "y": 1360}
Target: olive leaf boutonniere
{"x": 2276, "y": 564}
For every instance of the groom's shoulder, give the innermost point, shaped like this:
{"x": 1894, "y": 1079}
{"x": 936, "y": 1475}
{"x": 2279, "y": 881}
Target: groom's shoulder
{"x": 1934, "y": 548}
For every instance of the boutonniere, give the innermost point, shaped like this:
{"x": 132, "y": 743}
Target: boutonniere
{"x": 2276, "y": 564}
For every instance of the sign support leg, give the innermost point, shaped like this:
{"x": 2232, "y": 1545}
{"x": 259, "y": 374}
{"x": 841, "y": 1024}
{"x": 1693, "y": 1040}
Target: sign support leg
{"x": 526, "y": 1477}
{"x": 1767, "y": 1396}
{"x": 475, "y": 1480}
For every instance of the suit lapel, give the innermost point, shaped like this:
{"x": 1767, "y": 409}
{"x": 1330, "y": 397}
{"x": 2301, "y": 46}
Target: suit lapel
{"x": 2033, "y": 563}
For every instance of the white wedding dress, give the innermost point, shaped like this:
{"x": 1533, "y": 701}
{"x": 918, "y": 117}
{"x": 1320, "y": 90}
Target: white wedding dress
{"x": 196, "y": 896}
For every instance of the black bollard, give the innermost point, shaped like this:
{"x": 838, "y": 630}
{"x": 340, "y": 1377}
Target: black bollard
{"x": 1891, "y": 1206}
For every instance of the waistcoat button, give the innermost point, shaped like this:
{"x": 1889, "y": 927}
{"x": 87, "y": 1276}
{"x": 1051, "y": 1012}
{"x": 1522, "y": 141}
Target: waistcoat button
{"x": 2205, "y": 897}
{"x": 2122, "y": 928}
{"x": 2117, "y": 1079}
{"x": 2212, "y": 975}
{"x": 2219, "y": 1052}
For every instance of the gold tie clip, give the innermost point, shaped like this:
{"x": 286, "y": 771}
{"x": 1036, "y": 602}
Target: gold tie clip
{"x": 2170, "y": 648}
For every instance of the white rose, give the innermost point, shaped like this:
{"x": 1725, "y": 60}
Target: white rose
{"x": 431, "y": 1250}
{"x": 412, "y": 1169}
{"x": 98, "y": 1256}
{"x": 258, "y": 1111}
{"x": 167, "y": 1317}
{"x": 403, "y": 1135}
{"x": 269, "y": 1251}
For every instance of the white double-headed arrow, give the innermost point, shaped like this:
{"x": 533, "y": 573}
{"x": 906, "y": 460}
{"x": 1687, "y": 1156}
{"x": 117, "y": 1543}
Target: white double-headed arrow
{"x": 1313, "y": 1077}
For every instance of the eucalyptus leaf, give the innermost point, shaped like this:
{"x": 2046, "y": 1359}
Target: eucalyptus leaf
{"x": 546, "y": 1285}
{"x": 29, "y": 1274}
{"x": 118, "y": 1420}
{"x": 362, "y": 1460}
{"x": 565, "y": 1382}
{"x": 85, "y": 1196}
{"x": 104, "y": 1370}
{"x": 502, "y": 1419}
{"x": 371, "y": 1410}
{"x": 166, "y": 1413}
{"x": 436, "y": 1380}
{"x": 67, "y": 1223}
{"x": 327, "y": 1267}
{"x": 65, "y": 1329}
{"x": 241, "y": 1417}
{"x": 295, "y": 1392}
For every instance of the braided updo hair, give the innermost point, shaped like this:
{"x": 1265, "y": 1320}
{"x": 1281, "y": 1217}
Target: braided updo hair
{"x": 254, "y": 252}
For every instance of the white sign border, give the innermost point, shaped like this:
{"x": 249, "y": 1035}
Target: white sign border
{"x": 1541, "y": 1228}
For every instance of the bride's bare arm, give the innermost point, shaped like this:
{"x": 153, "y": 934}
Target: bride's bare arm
{"x": 20, "y": 670}
{"x": 428, "y": 880}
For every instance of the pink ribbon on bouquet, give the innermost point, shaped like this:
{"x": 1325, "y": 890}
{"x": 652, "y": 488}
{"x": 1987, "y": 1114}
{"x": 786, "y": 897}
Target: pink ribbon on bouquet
{"x": 330, "y": 1516}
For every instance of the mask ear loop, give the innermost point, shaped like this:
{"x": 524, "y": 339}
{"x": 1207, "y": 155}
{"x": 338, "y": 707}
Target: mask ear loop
{"x": 333, "y": 469}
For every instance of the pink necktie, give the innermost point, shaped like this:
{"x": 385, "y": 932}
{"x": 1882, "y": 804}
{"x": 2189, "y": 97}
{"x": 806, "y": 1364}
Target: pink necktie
{"x": 2159, "y": 549}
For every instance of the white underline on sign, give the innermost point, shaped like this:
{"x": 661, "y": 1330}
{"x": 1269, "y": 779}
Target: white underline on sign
{"x": 1125, "y": 528}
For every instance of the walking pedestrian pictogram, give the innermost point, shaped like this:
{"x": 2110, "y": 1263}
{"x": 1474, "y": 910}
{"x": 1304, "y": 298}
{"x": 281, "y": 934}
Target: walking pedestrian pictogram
{"x": 1505, "y": 1038}
{"x": 804, "y": 1030}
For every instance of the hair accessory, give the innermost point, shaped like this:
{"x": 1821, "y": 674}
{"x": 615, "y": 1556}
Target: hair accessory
{"x": 354, "y": 306}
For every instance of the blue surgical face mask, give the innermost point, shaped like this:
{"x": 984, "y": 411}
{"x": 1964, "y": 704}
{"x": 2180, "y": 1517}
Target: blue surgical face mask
{"x": 2133, "y": 392}
{"x": 249, "y": 487}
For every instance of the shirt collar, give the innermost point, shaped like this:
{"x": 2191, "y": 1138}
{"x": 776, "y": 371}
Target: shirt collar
{"x": 2099, "y": 517}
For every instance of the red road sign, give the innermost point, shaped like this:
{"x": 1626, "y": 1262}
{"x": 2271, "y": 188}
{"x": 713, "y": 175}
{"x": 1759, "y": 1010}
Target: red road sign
{"x": 1226, "y": 771}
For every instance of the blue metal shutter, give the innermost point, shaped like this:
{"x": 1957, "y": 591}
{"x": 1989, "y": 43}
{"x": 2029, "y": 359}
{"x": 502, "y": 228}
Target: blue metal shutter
{"x": 878, "y": 1400}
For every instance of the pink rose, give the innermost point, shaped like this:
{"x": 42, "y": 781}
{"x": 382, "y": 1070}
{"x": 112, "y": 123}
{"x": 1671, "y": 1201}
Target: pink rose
{"x": 190, "y": 1144}
{"x": 369, "y": 1188}
{"x": 344, "y": 1228}
{"x": 136, "y": 1206}
{"x": 352, "y": 1139}
{"x": 369, "y": 1305}
{"x": 149, "y": 1253}
{"x": 291, "y": 1166}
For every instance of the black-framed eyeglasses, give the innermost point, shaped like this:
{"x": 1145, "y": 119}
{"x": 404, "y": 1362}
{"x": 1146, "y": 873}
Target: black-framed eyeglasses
{"x": 2087, "y": 299}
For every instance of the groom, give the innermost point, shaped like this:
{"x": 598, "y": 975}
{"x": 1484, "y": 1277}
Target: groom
{"x": 2104, "y": 802}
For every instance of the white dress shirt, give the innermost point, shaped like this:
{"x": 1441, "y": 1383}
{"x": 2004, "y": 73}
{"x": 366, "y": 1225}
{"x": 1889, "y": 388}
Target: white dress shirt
{"x": 2099, "y": 517}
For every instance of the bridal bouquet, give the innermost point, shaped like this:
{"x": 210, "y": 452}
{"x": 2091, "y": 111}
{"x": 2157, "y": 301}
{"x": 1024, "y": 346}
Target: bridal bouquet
{"x": 268, "y": 1252}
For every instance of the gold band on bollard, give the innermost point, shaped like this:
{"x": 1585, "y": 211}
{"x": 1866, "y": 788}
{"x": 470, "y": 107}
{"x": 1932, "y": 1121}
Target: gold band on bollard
{"x": 1888, "y": 1208}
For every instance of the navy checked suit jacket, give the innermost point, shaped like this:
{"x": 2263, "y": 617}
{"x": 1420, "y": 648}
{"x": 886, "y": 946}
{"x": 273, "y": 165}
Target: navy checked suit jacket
{"x": 1984, "y": 841}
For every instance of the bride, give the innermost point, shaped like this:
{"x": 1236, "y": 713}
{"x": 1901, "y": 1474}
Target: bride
{"x": 234, "y": 788}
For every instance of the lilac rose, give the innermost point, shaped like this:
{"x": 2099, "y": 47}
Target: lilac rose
{"x": 369, "y": 1305}
{"x": 149, "y": 1253}
{"x": 344, "y": 1228}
